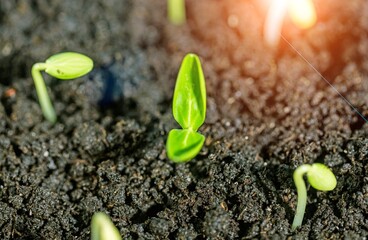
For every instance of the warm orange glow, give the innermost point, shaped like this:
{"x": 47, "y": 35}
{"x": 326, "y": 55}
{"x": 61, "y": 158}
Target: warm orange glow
{"x": 302, "y": 13}
{"x": 274, "y": 21}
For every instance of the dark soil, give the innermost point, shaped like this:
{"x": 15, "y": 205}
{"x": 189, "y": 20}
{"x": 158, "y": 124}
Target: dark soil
{"x": 268, "y": 112}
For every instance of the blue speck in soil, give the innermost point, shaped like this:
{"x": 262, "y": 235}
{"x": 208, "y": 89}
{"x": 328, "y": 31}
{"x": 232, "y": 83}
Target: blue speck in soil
{"x": 117, "y": 80}
{"x": 103, "y": 87}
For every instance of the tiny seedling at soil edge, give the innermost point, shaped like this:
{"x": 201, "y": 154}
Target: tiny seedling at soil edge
{"x": 65, "y": 66}
{"x": 102, "y": 228}
{"x": 320, "y": 177}
{"x": 176, "y": 11}
{"x": 189, "y": 110}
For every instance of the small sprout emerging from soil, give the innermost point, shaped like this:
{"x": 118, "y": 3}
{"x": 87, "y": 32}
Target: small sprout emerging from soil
{"x": 320, "y": 177}
{"x": 65, "y": 66}
{"x": 176, "y": 11}
{"x": 102, "y": 228}
{"x": 189, "y": 110}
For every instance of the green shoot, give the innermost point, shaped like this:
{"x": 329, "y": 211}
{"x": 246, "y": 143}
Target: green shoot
{"x": 65, "y": 66}
{"x": 320, "y": 177}
{"x": 189, "y": 110}
{"x": 176, "y": 11}
{"x": 102, "y": 228}
{"x": 184, "y": 144}
{"x": 189, "y": 103}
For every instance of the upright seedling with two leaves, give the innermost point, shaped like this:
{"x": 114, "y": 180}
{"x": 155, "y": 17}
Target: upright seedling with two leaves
{"x": 65, "y": 66}
{"x": 189, "y": 110}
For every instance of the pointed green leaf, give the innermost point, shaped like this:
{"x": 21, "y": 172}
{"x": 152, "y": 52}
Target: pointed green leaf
{"x": 183, "y": 145}
{"x": 68, "y": 65}
{"x": 189, "y": 103}
{"x": 321, "y": 177}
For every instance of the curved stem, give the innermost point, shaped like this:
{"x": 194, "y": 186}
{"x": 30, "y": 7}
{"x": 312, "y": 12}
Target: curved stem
{"x": 302, "y": 194}
{"x": 43, "y": 96}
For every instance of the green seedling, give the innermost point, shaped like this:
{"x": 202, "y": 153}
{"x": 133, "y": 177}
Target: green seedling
{"x": 320, "y": 177}
{"x": 189, "y": 110}
{"x": 176, "y": 11}
{"x": 65, "y": 66}
{"x": 102, "y": 228}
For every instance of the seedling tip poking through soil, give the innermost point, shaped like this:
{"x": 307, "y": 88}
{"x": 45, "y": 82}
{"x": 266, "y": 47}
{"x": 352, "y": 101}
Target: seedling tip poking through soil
{"x": 65, "y": 66}
{"x": 189, "y": 110}
{"x": 102, "y": 228}
{"x": 320, "y": 177}
{"x": 176, "y": 11}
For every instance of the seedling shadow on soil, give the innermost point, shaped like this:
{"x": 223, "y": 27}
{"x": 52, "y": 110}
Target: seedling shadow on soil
{"x": 267, "y": 113}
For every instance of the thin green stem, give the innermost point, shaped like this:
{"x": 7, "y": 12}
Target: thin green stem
{"x": 176, "y": 11}
{"x": 43, "y": 96}
{"x": 302, "y": 195}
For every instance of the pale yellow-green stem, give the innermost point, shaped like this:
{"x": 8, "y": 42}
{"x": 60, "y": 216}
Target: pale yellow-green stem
{"x": 176, "y": 11}
{"x": 43, "y": 97}
{"x": 302, "y": 195}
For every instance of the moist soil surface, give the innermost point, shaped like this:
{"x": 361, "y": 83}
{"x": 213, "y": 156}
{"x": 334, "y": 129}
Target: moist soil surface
{"x": 268, "y": 112}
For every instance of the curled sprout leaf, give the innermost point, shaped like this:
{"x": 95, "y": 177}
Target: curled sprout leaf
{"x": 102, "y": 228}
{"x": 189, "y": 110}
{"x": 68, "y": 65}
{"x": 64, "y": 66}
{"x": 189, "y": 103}
{"x": 320, "y": 177}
